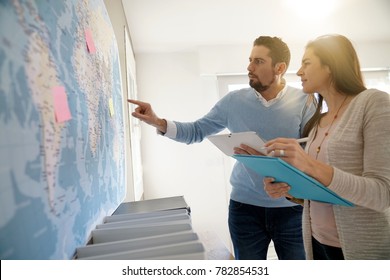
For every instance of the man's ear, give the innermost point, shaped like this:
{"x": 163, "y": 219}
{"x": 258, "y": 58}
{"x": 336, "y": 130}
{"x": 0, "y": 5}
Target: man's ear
{"x": 280, "y": 68}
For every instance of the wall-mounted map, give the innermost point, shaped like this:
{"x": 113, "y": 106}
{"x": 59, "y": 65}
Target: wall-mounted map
{"x": 61, "y": 126}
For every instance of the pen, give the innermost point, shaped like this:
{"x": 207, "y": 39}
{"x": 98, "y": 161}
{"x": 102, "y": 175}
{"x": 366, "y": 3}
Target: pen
{"x": 303, "y": 140}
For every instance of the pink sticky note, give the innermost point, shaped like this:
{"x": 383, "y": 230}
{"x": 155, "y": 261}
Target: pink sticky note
{"x": 89, "y": 39}
{"x": 61, "y": 108}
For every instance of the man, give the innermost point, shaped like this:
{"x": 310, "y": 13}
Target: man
{"x": 271, "y": 109}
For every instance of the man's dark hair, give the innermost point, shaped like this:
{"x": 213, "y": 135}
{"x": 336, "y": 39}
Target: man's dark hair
{"x": 279, "y": 51}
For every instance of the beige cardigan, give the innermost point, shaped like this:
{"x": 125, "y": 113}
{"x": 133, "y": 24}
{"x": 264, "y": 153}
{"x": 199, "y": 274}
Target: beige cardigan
{"x": 359, "y": 151}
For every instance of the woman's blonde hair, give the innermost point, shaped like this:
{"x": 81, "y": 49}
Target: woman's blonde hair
{"x": 337, "y": 52}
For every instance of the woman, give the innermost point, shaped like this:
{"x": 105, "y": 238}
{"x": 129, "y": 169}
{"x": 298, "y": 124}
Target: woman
{"x": 348, "y": 151}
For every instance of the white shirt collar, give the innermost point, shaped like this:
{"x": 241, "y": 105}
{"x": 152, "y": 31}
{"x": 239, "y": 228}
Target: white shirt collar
{"x": 274, "y": 100}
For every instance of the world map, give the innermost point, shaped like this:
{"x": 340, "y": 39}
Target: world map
{"x": 61, "y": 123}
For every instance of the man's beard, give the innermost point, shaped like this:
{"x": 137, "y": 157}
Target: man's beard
{"x": 259, "y": 87}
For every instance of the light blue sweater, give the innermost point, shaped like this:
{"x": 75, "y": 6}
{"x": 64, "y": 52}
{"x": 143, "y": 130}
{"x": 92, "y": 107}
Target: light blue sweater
{"x": 241, "y": 111}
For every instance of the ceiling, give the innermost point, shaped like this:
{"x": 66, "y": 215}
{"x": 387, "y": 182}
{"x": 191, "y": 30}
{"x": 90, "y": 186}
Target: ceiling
{"x": 186, "y": 25}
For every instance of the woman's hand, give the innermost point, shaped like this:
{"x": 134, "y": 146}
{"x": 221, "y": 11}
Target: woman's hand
{"x": 290, "y": 151}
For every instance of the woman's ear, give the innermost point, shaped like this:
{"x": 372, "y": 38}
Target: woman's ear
{"x": 327, "y": 69}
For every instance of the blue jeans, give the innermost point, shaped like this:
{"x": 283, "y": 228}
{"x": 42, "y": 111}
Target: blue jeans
{"x": 253, "y": 227}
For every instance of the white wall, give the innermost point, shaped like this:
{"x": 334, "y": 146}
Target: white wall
{"x": 172, "y": 83}
{"x": 183, "y": 87}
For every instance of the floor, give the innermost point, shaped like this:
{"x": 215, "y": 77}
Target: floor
{"x": 271, "y": 252}
{"x": 214, "y": 247}
{"x": 216, "y": 250}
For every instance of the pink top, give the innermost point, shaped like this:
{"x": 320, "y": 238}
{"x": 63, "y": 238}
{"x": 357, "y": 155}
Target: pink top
{"x": 323, "y": 224}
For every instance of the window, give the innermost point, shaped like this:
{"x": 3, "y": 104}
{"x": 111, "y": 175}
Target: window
{"x": 378, "y": 78}
{"x": 373, "y": 77}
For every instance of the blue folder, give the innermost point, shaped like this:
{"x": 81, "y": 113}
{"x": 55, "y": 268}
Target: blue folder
{"x": 302, "y": 185}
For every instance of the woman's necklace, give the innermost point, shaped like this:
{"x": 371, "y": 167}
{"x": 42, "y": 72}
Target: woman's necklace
{"x": 330, "y": 126}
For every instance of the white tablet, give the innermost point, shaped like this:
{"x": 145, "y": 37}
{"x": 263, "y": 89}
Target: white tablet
{"x": 227, "y": 142}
